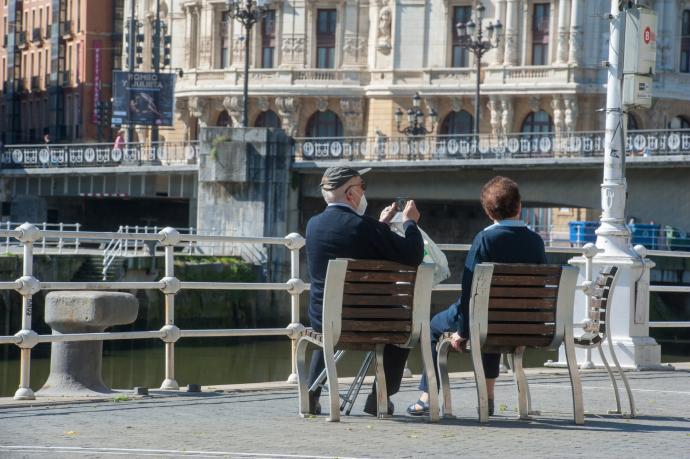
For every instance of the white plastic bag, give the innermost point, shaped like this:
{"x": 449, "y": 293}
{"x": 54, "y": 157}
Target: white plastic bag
{"x": 432, "y": 254}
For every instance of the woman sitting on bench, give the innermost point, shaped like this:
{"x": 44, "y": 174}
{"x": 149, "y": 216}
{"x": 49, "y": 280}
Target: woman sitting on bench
{"x": 508, "y": 240}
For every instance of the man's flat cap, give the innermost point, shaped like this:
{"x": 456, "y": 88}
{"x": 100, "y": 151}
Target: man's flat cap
{"x": 337, "y": 176}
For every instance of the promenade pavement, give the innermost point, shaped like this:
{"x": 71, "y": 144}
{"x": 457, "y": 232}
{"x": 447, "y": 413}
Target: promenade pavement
{"x": 261, "y": 421}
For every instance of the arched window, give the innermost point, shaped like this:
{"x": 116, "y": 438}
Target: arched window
{"x": 224, "y": 119}
{"x": 324, "y": 124}
{"x": 685, "y": 43}
{"x": 267, "y": 119}
{"x": 679, "y": 122}
{"x": 537, "y": 122}
{"x": 632, "y": 123}
{"x": 457, "y": 123}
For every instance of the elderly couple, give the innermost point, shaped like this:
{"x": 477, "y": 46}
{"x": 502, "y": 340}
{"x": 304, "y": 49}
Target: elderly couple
{"x": 343, "y": 231}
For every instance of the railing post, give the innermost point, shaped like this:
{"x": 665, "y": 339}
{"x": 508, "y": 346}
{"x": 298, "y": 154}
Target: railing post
{"x": 7, "y": 240}
{"x": 28, "y": 286}
{"x": 76, "y": 240}
{"x": 60, "y": 241}
{"x": 126, "y": 241}
{"x": 294, "y": 242}
{"x": 136, "y": 241}
{"x": 169, "y": 238}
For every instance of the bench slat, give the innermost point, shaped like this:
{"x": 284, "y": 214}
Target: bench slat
{"x": 520, "y": 292}
{"x": 377, "y": 313}
{"x": 519, "y": 316}
{"x": 382, "y": 289}
{"x": 522, "y": 303}
{"x": 376, "y": 326}
{"x": 377, "y": 300}
{"x": 511, "y": 341}
{"x": 524, "y": 280}
{"x": 520, "y": 329}
{"x": 527, "y": 270}
{"x": 378, "y": 265}
{"x": 374, "y": 338}
{"x": 381, "y": 276}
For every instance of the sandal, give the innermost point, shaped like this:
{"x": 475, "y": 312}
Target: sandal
{"x": 415, "y": 410}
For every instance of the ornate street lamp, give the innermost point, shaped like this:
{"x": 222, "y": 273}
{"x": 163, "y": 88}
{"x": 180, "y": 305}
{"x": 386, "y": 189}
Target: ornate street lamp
{"x": 415, "y": 119}
{"x": 471, "y": 37}
{"x": 248, "y": 13}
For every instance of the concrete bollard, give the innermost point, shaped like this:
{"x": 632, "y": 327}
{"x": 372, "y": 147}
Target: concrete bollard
{"x": 75, "y": 367}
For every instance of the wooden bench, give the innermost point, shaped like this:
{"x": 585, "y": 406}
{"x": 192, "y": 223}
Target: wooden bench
{"x": 512, "y": 307}
{"x": 596, "y": 330}
{"x": 368, "y": 304}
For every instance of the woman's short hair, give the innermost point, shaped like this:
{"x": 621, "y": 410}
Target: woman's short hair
{"x": 500, "y": 198}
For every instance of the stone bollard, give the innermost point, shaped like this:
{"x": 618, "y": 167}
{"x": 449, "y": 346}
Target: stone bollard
{"x": 75, "y": 366}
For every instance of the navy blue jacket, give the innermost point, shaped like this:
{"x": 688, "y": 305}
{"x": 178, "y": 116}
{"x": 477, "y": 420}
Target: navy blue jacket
{"x": 496, "y": 244}
{"x": 338, "y": 232}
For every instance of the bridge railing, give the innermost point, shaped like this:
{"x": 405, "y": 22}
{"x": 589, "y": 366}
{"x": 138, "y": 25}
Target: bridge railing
{"x": 517, "y": 146}
{"x": 98, "y": 155}
{"x": 61, "y": 245}
{"x": 28, "y": 285}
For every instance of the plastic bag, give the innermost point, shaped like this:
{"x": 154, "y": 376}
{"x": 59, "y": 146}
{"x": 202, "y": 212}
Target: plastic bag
{"x": 432, "y": 254}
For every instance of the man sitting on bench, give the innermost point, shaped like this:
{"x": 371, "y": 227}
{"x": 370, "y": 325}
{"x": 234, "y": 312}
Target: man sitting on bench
{"x": 343, "y": 231}
{"x": 508, "y": 240}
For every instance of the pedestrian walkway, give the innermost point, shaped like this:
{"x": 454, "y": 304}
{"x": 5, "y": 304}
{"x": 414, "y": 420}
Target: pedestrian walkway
{"x": 261, "y": 421}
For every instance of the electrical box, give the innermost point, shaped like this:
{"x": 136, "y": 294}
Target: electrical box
{"x": 639, "y": 56}
{"x": 637, "y": 91}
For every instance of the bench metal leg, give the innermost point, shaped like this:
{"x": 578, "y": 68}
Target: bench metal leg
{"x": 332, "y": 381}
{"x": 631, "y": 399}
{"x": 428, "y": 361}
{"x": 521, "y": 381}
{"x": 352, "y": 393}
{"x": 443, "y": 350}
{"x": 302, "y": 376}
{"x": 575, "y": 381}
{"x": 479, "y": 377}
{"x": 321, "y": 380}
{"x": 614, "y": 383}
{"x": 381, "y": 389}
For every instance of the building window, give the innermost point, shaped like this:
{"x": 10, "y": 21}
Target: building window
{"x": 224, "y": 48}
{"x": 325, "y": 39}
{"x": 268, "y": 119}
{"x": 679, "y": 122}
{"x": 224, "y": 119}
{"x": 268, "y": 39}
{"x": 537, "y": 122}
{"x": 461, "y": 14}
{"x": 685, "y": 43}
{"x": 457, "y": 123}
{"x": 540, "y": 34}
{"x": 324, "y": 124}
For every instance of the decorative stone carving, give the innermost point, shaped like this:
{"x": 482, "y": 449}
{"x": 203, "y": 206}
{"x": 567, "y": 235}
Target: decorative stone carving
{"x": 351, "y": 109}
{"x": 263, "y": 104}
{"x": 571, "y": 111}
{"x": 534, "y": 104}
{"x": 558, "y": 115}
{"x": 322, "y": 104}
{"x": 574, "y": 51}
{"x": 506, "y": 115}
{"x": 182, "y": 109}
{"x": 288, "y": 109}
{"x": 355, "y": 49}
{"x": 199, "y": 109}
{"x": 494, "y": 106}
{"x": 383, "y": 33}
{"x": 293, "y": 49}
{"x": 237, "y": 49}
{"x": 456, "y": 104}
{"x": 234, "y": 106}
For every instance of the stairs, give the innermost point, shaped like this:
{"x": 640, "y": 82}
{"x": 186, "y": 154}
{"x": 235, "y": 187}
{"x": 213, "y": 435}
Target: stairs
{"x": 92, "y": 270}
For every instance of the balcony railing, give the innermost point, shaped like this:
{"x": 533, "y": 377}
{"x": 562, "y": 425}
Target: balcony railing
{"x": 98, "y": 155}
{"x": 35, "y": 83}
{"x": 21, "y": 39}
{"x": 66, "y": 29}
{"x": 66, "y": 78}
{"x": 36, "y": 35}
{"x": 532, "y": 146}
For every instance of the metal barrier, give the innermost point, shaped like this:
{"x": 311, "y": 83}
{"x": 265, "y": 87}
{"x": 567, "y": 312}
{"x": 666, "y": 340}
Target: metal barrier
{"x": 27, "y": 285}
{"x": 61, "y": 245}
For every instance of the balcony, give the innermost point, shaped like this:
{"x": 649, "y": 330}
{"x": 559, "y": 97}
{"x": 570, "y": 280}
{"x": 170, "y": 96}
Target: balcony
{"x": 36, "y": 35}
{"x": 4, "y": 41}
{"x": 35, "y": 83}
{"x": 22, "y": 42}
{"x": 65, "y": 79}
{"x": 46, "y": 81}
{"x": 66, "y": 30}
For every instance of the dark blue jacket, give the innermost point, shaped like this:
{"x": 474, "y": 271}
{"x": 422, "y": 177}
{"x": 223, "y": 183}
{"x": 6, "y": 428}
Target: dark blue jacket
{"x": 338, "y": 232}
{"x": 496, "y": 244}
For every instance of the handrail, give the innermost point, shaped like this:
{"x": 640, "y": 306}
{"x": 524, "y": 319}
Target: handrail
{"x": 27, "y": 285}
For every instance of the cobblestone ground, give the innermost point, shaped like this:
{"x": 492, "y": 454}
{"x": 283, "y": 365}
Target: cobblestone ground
{"x": 264, "y": 423}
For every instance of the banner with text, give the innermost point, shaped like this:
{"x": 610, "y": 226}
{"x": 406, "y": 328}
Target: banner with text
{"x": 143, "y": 98}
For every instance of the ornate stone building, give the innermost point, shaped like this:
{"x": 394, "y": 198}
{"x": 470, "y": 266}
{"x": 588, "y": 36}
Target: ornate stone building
{"x": 343, "y": 67}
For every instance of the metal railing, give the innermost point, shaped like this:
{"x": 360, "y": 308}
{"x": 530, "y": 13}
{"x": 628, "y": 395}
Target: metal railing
{"x": 99, "y": 155}
{"x": 518, "y": 146}
{"x": 60, "y": 245}
{"x": 27, "y": 285}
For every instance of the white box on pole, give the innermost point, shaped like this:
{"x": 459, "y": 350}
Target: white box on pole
{"x": 637, "y": 91}
{"x": 640, "y": 41}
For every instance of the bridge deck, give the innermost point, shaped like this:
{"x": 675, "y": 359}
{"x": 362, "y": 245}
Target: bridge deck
{"x": 261, "y": 421}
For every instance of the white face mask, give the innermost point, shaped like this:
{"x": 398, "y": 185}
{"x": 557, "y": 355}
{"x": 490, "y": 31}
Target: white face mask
{"x": 362, "y": 206}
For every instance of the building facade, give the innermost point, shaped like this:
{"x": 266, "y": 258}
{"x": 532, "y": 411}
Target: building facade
{"x": 343, "y": 67}
{"x": 56, "y": 64}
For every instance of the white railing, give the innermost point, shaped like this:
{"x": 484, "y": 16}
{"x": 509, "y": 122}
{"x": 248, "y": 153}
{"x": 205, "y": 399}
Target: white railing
{"x": 61, "y": 245}
{"x": 98, "y": 155}
{"x": 641, "y": 145}
{"x": 27, "y": 285}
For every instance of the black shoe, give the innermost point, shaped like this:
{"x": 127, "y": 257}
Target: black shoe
{"x": 370, "y": 406}
{"x": 314, "y": 405}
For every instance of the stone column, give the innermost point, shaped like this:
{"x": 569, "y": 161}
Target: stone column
{"x": 558, "y": 115}
{"x": 187, "y": 10}
{"x": 571, "y": 111}
{"x": 199, "y": 109}
{"x": 507, "y": 126}
{"x": 562, "y": 47}
{"x": 288, "y": 109}
{"x": 663, "y": 43}
{"x": 293, "y": 40}
{"x": 500, "y": 51}
{"x": 575, "y": 32}
{"x": 205, "y": 25}
{"x": 494, "y": 107}
{"x": 234, "y": 106}
{"x": 511, "y": 34}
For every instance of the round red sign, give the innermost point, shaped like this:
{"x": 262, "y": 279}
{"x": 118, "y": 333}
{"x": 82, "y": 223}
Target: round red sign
{"x": 647, "y": 35}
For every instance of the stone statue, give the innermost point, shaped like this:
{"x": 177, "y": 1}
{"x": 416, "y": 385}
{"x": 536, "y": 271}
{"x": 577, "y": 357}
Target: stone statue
{"x": 384, "y": 27}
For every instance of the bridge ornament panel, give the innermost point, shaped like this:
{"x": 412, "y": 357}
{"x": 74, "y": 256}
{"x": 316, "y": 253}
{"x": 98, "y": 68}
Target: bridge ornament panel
{"x": 469, "y": 147}
{"x": 98, "y": 155}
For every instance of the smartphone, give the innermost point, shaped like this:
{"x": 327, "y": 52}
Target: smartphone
{"x": 401, "y": 203}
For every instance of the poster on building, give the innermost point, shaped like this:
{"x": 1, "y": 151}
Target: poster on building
{"x": 143, "y": 98}
{"x": 96, "y": 79}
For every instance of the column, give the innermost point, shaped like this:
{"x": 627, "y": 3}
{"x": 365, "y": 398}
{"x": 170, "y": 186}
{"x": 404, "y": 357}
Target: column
{"x": 562, "y": 47}
{"x": 511, "y": 35}
{"x": 500, "y": 51}
{"x": 187, "y": 34}
{"x": 574, "y": 57}
{"x": 494, "y": 107}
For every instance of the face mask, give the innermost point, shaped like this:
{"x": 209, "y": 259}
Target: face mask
{"x": 362, "y": 206}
